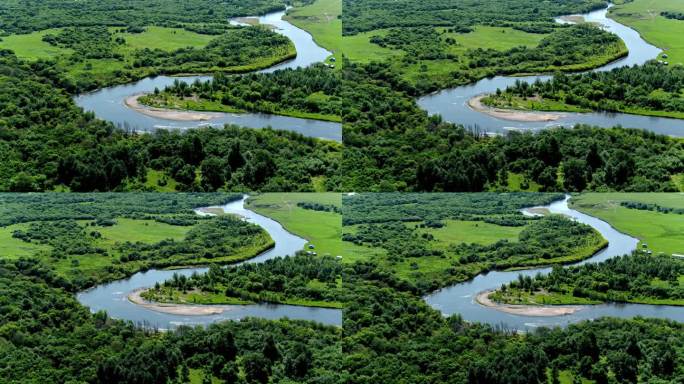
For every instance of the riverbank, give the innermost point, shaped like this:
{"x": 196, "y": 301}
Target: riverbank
{"x": 476, "y": 104}
{"x": 483, "y": 298}
{"x": 175, "y": 309}
{"x": 167, "y": 114}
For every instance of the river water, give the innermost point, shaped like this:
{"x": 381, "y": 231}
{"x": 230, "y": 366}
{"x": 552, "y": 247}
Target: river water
{"x": 113, "y": 297}
{"x": 452, "y": 103}
{"x": 460, "y": 298}
{"x": 108, "y": 103}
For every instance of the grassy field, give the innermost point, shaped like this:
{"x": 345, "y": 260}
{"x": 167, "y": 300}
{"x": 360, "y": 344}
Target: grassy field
{"x": 145, "y": 231}
{"x": 644, "y": 16}
{"x": 31, "y": 46}
{"x": 11, "y": 248}
{"x": 662, "y": 232}
{"x": 98, "y": 265}
{"x": 167, "y": 39}
{"x": 456, "y": 231}
{"x": 322, "y": 229}
{"x": 321, "y": 20}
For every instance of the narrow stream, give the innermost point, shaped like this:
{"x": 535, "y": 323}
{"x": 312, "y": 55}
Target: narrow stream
{"x": 460, "y": 298}
{"x": 452, "y": 104}
{"x": 113, "y": 297}
{"x": 108, "y": 103}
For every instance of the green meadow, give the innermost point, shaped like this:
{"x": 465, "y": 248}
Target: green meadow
{"x": 322, "y": 20}
{"x": 644, "y": 16}
{"x": 322, "y": 229}
{"x": 663, "y": 232}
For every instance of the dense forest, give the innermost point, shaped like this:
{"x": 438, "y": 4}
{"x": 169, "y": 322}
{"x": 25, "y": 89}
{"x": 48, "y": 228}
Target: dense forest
{"x": 301, "y": 279}
{"x": 391, "y": 144}
{"x": 46, "y": 336}
{"x": 17, "y": 16}
{"x": 305, "y": 92}
{"x": 528, "y": 15}
{"x": 631, "y": 278}
{"x": 406, "y": 227}
{"x": 649, "y": 89}
{"x": 47, "y": 142}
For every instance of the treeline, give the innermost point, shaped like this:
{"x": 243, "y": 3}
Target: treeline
{"x": 391, "y": 333}
{"x": 297, "y": 279}
{"x": 102, "y": 208}
{"x": 313, "y": 91}
{"x": 18, "y": 16}
{"x": 48, "y": 337}
{"x": 48, "y": 142}
{"x": 391, "y": 144}
{"x": 672, "y": 15}
{"x": 630, "y": 278}
{"x": 319, "y": 207}
{"x": 528, "y": 15}
{"x": 651, "y": 207}
{"x": 370, "y": 208}
{"x": 650, "y": 88}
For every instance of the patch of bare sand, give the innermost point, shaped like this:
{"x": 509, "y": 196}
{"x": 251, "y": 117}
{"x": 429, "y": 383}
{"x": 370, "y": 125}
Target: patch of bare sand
{"x": 168, "y": 114}
{"x": 526, "y": 310}
{"x": 175, "y": 309}
{"x": 511, "y": 114}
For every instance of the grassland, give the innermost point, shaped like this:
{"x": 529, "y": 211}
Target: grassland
{"x": 32, "y": 47}
{"x": 644, "y": 16}
{"x": 322, "y": 229}
{"x": 322, "y": 20}
{"x": 662, "y": 232}
{"x": 101, "y": 266}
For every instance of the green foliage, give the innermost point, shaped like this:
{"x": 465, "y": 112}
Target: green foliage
{"x": 649, "y": 89}
{"x": 47, "y": 141}
{"x": 297, "y": 279}
{"x": 313, "y": 91}
{"x": 47, "y": 337}
{"x": 630, "y": 278}
{"x": 390, "y": 144}
{"x": 17, "y": 16}
{"x": 529, "y": 15}
{"x": 403, "y": 226}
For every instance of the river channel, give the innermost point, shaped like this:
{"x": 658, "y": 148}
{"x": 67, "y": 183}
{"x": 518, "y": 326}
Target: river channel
{"x": 452, "y": 104}
{"x": 460, "y": 298}
{"x": 113, "y": 297}
{"x": 108, "y": 103}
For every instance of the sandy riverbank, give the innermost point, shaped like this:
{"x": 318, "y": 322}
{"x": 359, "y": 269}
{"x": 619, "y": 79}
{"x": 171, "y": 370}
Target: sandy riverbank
{"x": 526, "y": 310}
{"x": 176, "y": 309}
{"x": 511, "y": 114}
{"x": 168, "y": 114}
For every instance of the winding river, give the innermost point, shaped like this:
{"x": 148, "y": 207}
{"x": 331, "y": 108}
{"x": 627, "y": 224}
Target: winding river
{"x": 108, "y": 103}
{"x": 452, "y": 103}
{"x": 460, "y": 298}
{"x": 113, "y": 297}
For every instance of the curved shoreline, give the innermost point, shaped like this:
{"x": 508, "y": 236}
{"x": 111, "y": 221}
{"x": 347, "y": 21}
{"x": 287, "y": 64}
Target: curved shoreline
{"x": 475, "y": 103}
{"x": 167, "y": 114}
{"x": 175, "y": 309}
{"x": 483, "y": 299}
